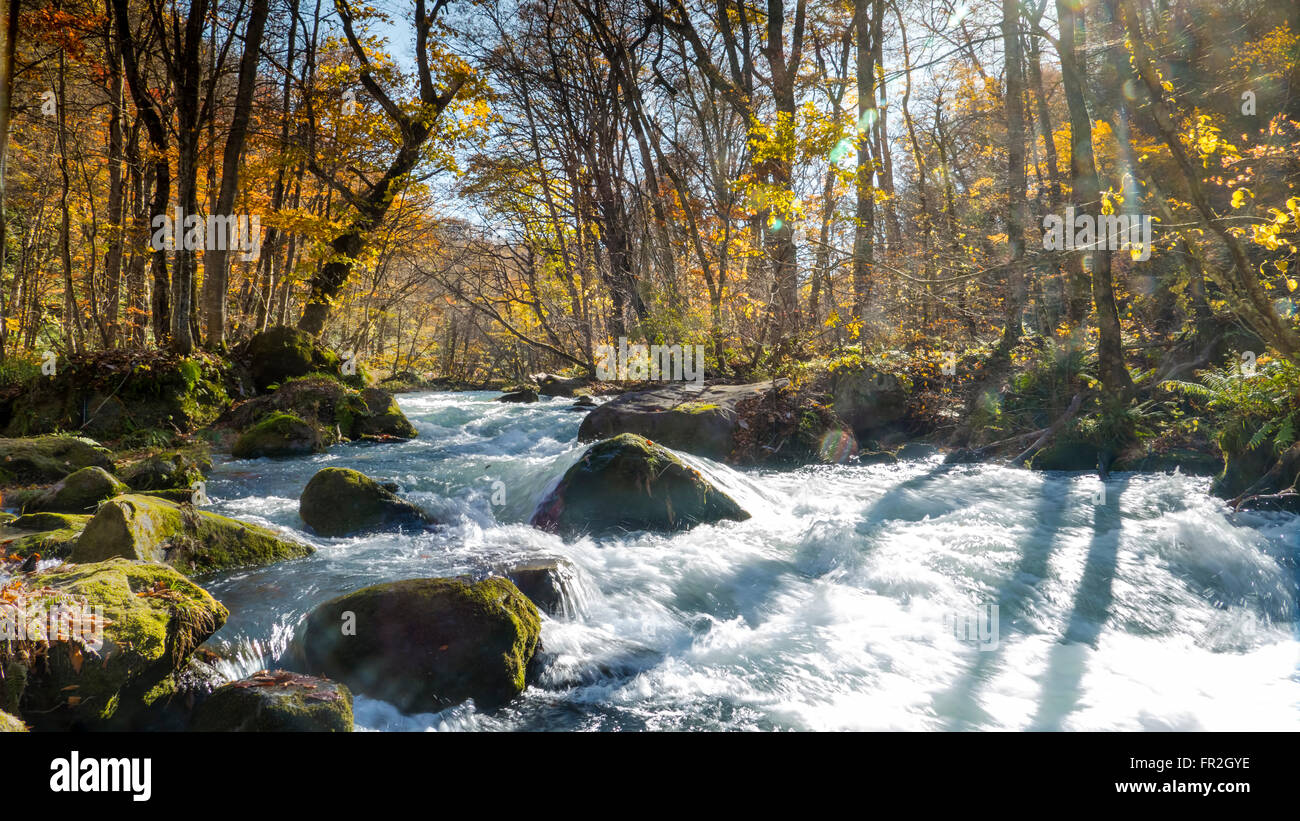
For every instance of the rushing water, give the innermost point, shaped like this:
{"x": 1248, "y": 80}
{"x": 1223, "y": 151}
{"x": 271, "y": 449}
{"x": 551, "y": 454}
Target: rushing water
{"x": 837, "y": 606}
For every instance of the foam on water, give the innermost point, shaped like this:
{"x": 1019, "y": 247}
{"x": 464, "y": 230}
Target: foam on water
{"x": 833, "y": 607}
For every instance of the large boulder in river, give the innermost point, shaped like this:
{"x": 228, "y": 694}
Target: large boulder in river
{"x": 276, "y": 702}
{"x": 551, "y": 584}
{"x": 551, "y": 385}
{"x": 383, "y": 419}
{"x": 104, "y": 674}
{"x": 340, "y": 502}
{"x": 870, "y": 401}
{"x": 629, "y": 483}
{"x": 280, "y": 434}
{"x": 424, "y": 644}
{"x": 78, "y": 492}
{"x": 193, "y": 541}
{"x": 525, "y": 396}
{"x": 282, "y": 352}
{"x": 39, "y": 459}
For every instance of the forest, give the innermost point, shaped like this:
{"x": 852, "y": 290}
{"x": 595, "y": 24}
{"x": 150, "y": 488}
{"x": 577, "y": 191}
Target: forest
{"x": 649, "y": 364}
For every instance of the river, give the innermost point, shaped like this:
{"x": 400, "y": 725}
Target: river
{"x": 840, "y": 605}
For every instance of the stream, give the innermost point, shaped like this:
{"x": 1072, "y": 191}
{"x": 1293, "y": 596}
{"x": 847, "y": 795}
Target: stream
{"x": 912, "y": 596}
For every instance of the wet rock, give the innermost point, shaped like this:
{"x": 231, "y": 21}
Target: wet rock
{"x": 424, "y": 644}
{"x": 280, "y": 434}
{"x": 276, "y": 702}
{"x": 917, "y": 450}
{"x": 153, "y": 618}
{"x": 42, "y": 459}
{"x": 383, "y": 419}
{"x": 282, "y": 352}
{"x": 629, "y": 483}
{"x": 548, "y": 583}
{"x": 180, "y": 468}
{"x": 193, "y": 541}
{"x": 341, "y": 502}
{"x": 524, "y": 396}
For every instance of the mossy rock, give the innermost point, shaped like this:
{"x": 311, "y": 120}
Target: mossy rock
{"x": 53, "y": 535}
{"x": 43, "y": 459}
{"x": 78, "y": 492}
{"x": 191, "y": 540}
{"x": 276, "y": 702}
{"x": 280, "y": 434}
{"x": 340, "y": 502}
{"x": 424, "y": 644}
{"x": 180, "y": 468}
{"x": 383, "y": 418}
{"x": 154, "y": 618}
{"x": 629, "y": 483}
{"x": 11, "y": 724}
{"x": 282, "y": 352}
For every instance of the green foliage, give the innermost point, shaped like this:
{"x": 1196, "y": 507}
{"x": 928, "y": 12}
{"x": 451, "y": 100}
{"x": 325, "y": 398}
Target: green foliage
{"x": 1248, "y": 411}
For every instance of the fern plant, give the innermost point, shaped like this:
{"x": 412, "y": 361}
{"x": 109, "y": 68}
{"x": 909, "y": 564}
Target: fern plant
{"x": 1250, "y": 409}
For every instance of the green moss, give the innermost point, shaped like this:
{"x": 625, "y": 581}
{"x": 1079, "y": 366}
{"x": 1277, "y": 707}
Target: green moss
{"x": 154, "y": 619}
{"x": 11, "y": 724}
{"x": 696, "y": 407}
{"x": 425, "y": 643}
{"x": 340, "y": 502}
{"x": 49, "y": 458}
{"x": 193, "y": 541}
{"x": 53, "y": 535}
{"x": 279, "y": 434}
{"x": 278, "y": 701}
{"x": 282, "y": 352}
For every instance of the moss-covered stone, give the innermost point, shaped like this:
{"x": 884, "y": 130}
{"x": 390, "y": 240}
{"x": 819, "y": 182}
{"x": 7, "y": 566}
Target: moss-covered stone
{"x": 383, "y": 419}
{"x": 277, "y": 702}
{"x": 176, "y": 469}
{"x": 340, "y": 502}
{"x": 42, "y": 459}
{"x": 153, "y": 619}
{"x": 11, "y": 724}
{"x": 53, "y": 535}
{"x": 282, "y": 352}
{"x": 519, "y": 397}
{"x": 78, "y": 492}
{"x": 280, "y": 434}
{"x": 629, "y": 483}
{"x": 191, "y": 540}
{"x": 423, "y": 644}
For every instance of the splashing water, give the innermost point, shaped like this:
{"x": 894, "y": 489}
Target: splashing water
{"x": 857, "y": 597}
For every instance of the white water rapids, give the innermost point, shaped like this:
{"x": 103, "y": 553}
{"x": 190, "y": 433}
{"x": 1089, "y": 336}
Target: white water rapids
{"x": 834, "y": 607}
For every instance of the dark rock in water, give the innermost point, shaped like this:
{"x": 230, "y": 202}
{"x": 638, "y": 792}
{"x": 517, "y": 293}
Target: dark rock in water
{"x": 1286, "y": 502}
{"x": 280, "y": 434}
{"x": 341, "y": 502}
{"x": 551, "y": 385}
{"x": 870, "y": 401}
{"x": 917, "y": 450}
{"x": 548, "y": 583}
{"x": 40, "y": 459}
{"x": 383, "y": 419}
{"x": 79, "y": 492}
{"x": 519, "y": 396}
{"x": 282, "y": 352}
{"x": 962, "y": 456}
{"x": 1070, "y": 454}
{"x": 153, "y": 618}
{"x": 146, "y": 528}
{"x": 629, "y": 483}
{"x": 879, "y": 457}
{"x": 276, "y": 702}
{"x": 425, "y": 644}
{"x": 584, "y": 402}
